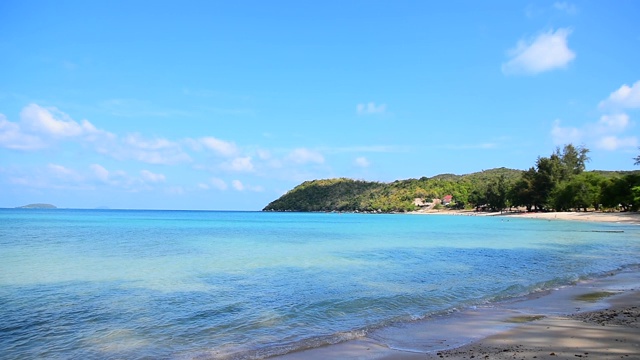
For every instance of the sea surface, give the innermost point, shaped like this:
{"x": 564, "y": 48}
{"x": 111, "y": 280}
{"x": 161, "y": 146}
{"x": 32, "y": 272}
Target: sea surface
{"x": 114, "y": 284}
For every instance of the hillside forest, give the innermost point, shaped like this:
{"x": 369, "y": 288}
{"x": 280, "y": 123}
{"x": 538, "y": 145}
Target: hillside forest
{"x": 558, "y": 182}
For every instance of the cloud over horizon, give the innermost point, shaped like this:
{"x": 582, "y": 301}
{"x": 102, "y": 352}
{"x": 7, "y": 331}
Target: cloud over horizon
{"x": 610, "y": 132}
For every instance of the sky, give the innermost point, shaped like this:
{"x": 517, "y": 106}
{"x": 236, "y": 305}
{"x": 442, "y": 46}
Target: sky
{"x": 227, "y": 105}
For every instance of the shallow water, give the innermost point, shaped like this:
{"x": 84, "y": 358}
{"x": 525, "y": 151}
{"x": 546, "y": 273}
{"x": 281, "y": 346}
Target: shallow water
{"x": 189, "y": 284}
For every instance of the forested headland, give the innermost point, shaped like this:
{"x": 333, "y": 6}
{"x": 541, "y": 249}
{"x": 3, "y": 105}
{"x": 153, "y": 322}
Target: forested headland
{"x": 558, "y": 182}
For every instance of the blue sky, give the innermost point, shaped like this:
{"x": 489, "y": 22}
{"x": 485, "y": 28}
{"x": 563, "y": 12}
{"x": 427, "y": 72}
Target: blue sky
{"x": 227, "y": 105}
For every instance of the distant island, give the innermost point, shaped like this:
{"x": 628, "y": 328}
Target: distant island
{"x": 37, "y": 206}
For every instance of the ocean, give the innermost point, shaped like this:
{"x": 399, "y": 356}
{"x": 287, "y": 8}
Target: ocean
{"x": 119, "y": 284}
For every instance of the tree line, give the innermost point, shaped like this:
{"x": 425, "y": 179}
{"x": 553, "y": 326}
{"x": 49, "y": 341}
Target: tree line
{"x": 558, "y": 182}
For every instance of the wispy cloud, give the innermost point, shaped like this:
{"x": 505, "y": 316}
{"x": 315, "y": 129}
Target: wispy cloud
{"x": 217, "y": 146}
{"x": 218, "y": 183}
{"x": 566, "y": 7}
{"x": 626, "y": 97}
{"x": 64, "y": 173}
{"x": 608, "y": 133}
{"x": 362, "y": 162}
{"x": 150, "y": 151}
{"x": 240, "y": 164}
{"x": 39, "y": 127}
{"x": 12, "y": 137}
{"x": 613, "y": 142}
{"x": 611, "y": 131}
{"x": 151, "y": 177}
{"x": 100, "y": 172}
{"x": 547, "y": 51}
{"x": 52, "y": 122}
{"x": 370, "y": 108}
{"x": 239, "y": 186}
{"x": 304, "y": 156}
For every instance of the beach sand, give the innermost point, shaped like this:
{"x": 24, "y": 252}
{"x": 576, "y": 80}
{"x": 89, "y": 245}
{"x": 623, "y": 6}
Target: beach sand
{"x": 613, "y": 333}
{"x": 598, "y": 319}
{"x": 560, "y": 325}
{"x": 590, "y": 216}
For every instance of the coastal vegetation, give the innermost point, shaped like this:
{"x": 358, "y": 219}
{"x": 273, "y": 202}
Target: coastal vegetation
{"x": 558, "y": 182}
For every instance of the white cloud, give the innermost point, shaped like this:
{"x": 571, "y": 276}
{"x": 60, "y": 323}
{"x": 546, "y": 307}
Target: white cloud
{"x": 55, "y": 123}
{"x": 220, "y": 147}
{"x": 100, "y": 172}
{"x": 605, "y": 134}
{"x": 264, "y": 154}
{"x": 151, "y": 151}
{"x": 63, "y": 173}
{"x": 567, "y": 7}
{"x": 370, "y": 108}
{"x": 241, "y": 164}
{"x": 218, "y": 184}
{"x": 120, "y": 179}
{"x": 546, "y": 52}
{"x": 625, "y": 97}
{"x": 614, "y": 122}
{"x": 303, "y": 156}
{"x": 39, "y": 126}
{"x": 12, "y": 137}
{"x": 362, "y": 162}
{"x": 613, "y": 142}
{"x": 135, "y": 140}
{"x": 565, "y": 135}
{"x": 237, "y": 184}
{"x": 148, "y": 176}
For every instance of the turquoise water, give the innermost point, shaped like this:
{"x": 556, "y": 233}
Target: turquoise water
{"x": 114, "y": 284}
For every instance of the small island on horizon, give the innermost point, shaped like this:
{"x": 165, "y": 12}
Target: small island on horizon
{"x": 37, "y": 206}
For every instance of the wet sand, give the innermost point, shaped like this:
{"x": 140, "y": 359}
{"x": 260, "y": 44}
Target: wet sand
{"x": 613, "y": 333}
{"x": 597, "y": 319}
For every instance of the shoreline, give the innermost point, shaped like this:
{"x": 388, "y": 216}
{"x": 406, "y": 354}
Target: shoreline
{"x": 575, "y": 321}
{"x": 612, "y": 333}
{"x": 592, "y": 216}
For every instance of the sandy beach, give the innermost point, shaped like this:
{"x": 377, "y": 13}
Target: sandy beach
{"x": 590, "y": 216}
{"x": 597, "y": 319}
{"x": 613, "y": 333}
{"x": 592, "y": 320}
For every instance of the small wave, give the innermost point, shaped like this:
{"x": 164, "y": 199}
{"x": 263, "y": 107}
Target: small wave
{"x": 285, "y": 348}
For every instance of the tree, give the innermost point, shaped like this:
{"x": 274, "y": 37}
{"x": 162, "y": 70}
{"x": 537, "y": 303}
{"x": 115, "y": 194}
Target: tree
{"x": 545, "y": 180}
{"x": 572, "y": 161}
{"x": 522, "y": 192}
{"x": 497, "y": 194}
{"x": 637, "y": 159}
{"x": 619, "y": 192}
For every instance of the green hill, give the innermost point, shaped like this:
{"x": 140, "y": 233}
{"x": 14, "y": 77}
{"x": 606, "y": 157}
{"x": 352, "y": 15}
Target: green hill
{"x": 399, "y": 196}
